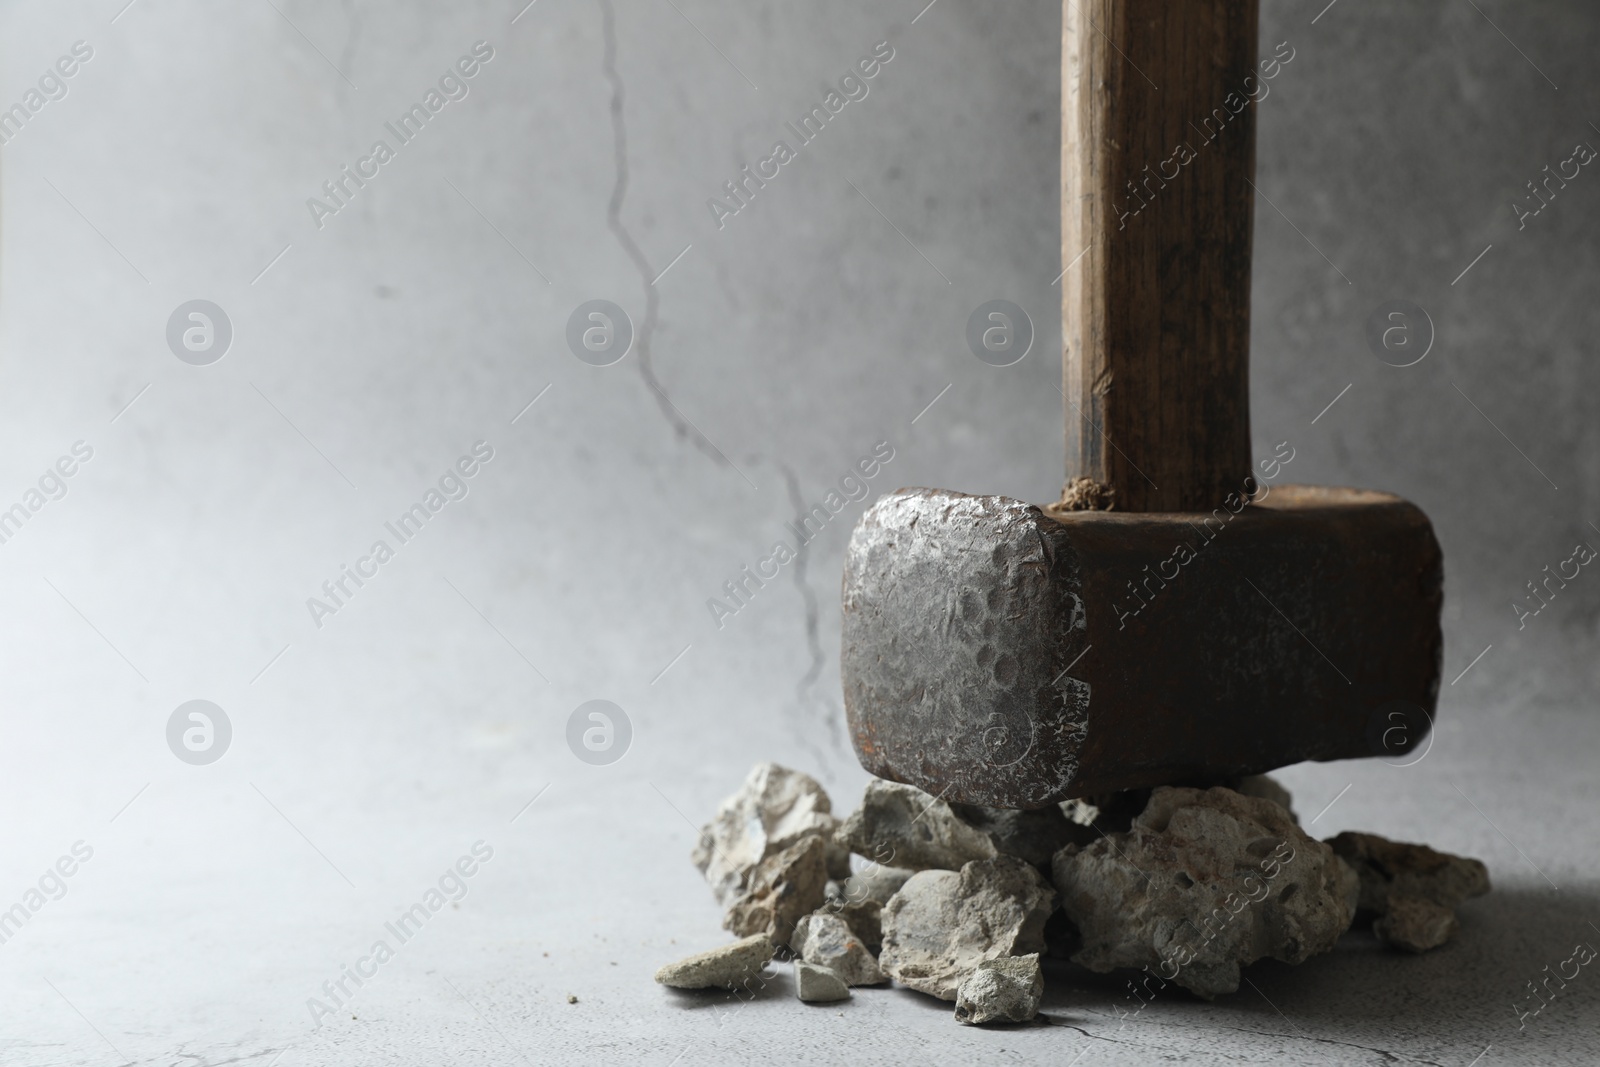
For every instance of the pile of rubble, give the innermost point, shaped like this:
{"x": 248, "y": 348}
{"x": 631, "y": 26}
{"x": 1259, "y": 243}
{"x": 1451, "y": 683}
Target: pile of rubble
{"x": 962, "y": 902}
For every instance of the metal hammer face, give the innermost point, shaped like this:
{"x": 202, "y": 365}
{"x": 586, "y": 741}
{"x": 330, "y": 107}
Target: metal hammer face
{"x": 996, "y": 655}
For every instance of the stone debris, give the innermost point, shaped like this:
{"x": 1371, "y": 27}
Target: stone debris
{"x": 823, "y": 938}
{"x": 859, "y": 900}
{"x": 775, "y": 808}
{"x": 783, "y": 889}
{"x": 816, "y": 984}
{"x": 1190, "y": 884}
{"x": 902, "y": 826}
{"x": 942, "y": 924}
{"x": 1204, "y": 882}
{"x": 1005, "y": 990}
{"x": 1412, "y": 891}
{"x": 725, "y": 967}
{"x": 1395, "y": 868}
{"x": 1416, "y": 925}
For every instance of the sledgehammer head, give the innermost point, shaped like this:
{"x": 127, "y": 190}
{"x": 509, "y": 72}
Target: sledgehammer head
{"x": 996, "y": 655}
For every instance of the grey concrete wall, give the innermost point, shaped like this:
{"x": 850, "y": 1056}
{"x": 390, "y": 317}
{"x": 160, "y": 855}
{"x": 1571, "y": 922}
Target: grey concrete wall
{"x": 791, "y": 339}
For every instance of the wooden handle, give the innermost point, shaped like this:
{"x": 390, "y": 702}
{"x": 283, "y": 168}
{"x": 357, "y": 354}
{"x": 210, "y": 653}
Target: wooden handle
{"x": 1157, "y": 157}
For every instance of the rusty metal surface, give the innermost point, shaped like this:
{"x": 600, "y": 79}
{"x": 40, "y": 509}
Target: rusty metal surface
{"x": 994, "y": 655}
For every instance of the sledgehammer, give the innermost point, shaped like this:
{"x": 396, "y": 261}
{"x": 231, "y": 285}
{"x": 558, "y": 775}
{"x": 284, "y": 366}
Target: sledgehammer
{"x": 1178, "y": 617}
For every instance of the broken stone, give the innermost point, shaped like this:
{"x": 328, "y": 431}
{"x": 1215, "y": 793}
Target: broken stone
{"x": 902, "y": 826}
{"x": 1393, "y": 868}
{"x": 859, "y": 900}
{"x": 783, "y": 889}
{"x": 1204, "y": 882}
{"x": 1005, "y": 990}
{"x": 1415, "y": 924}
{"x": 816, "y": 984}
{"x": 825, "y": 939}
{"x": 942, "y": 924}
{"x": 774, "y": 809}
{"x": 732, "y": 966}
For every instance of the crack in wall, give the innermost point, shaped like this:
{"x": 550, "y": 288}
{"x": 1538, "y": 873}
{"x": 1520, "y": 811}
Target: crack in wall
{"x": 347, "y": 57}
{"x": 681, "y": 427}
{"x": 804, "y": 689}
{"x": 806, "y": 693}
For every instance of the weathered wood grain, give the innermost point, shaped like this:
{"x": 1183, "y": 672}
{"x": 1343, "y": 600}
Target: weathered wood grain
{"x": 1158, "y": 152}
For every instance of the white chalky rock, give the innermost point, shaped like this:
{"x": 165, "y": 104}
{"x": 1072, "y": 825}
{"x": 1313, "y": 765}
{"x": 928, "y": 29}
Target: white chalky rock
{"x": 816, "y": 984}
{"x": 1005, "y": 990}
{"x": 942, "y": 924}
{"x": 901, "y": 826}
{"x": 825, "y": 939}
{"x": 732, "y": 966}
{"x": 1203, "y": 883}
{"x": 775, "y": 808}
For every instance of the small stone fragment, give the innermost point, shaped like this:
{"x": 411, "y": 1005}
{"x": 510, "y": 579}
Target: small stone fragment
{"x": 942, "y": 924}
{"x": 1415, "y": 924}
{"x": 573, "y": 1000}
{"x": 902, "y": 826}
{"x": 1395, "y": 868}
{"x": 1006, "y": 990}
{"x": 824, "y": 939}
{"x": 1204, "y": 882}
{"x": 816, "y": 984}
{"x": 783, "y": 888}
{"x": 724, "y": 967}
{"x": 773, "y": 809}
